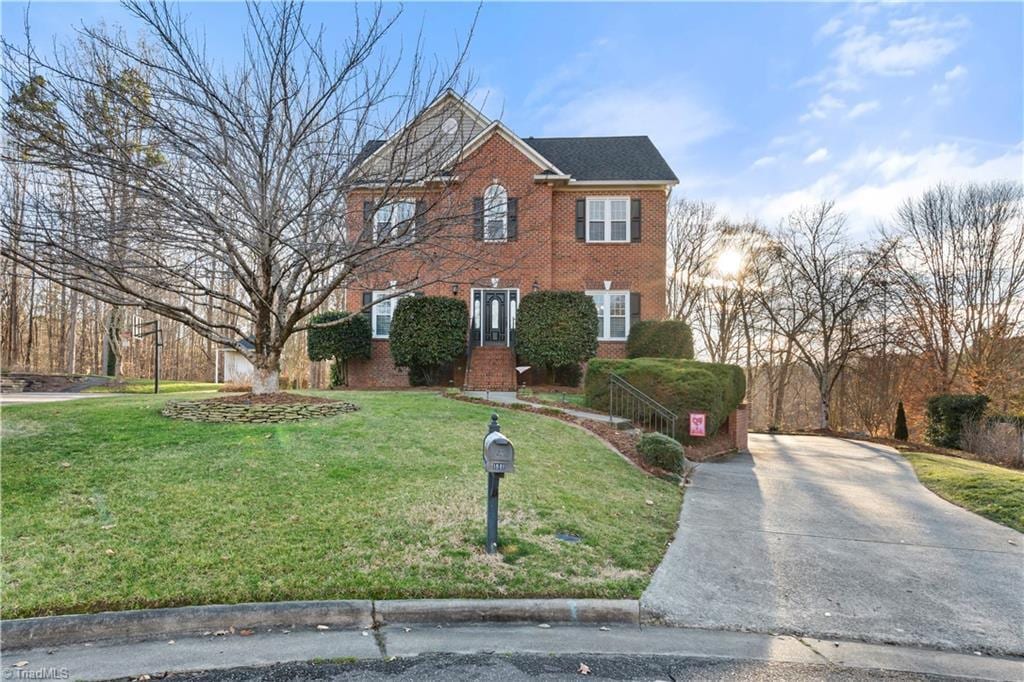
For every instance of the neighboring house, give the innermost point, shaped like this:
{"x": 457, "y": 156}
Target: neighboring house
{"x": 570, "y": 213}
{"x": 237, "y": 368}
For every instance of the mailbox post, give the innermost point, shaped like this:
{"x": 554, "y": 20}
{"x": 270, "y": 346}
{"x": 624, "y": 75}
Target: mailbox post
{"x": 499, "y": 459}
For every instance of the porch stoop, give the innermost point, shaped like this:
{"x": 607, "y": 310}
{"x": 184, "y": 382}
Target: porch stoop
{"x": 491, "y": 368}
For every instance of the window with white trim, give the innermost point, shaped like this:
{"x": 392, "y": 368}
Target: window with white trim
{"x": 495, "y": 213}
{"x": 608, "y": 219}
{"x": 394, "y": 219}
{"x": 382, "y": 312}
{"x": 612, "y": 314}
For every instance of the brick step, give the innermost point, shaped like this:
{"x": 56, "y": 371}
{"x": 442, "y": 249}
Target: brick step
{"x": 491, "y": 369}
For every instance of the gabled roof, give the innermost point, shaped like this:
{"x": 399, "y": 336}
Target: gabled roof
{"x": 596, "y": 159}
{"x": 499, "y": 128}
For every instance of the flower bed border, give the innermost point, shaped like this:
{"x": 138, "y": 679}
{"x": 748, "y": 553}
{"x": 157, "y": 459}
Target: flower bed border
{"x": 213, "y": 411}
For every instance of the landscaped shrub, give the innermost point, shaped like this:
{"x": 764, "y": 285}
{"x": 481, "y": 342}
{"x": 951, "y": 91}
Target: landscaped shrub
{"x": 556, "y": 329}
{"x": 661, "y": 451}
{"x": 350, "y": 338}
{"x": 427, "y": 333}
{"x": 900, "y": 432}
{"x": 947, "y": 414}
{"x": 682, "y": 386}
{"x": 660, "y": 339}
{"x": 569, "y": 375}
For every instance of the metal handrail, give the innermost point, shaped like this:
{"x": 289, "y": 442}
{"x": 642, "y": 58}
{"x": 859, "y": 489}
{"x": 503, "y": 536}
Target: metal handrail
{"x": 638, "y": 407}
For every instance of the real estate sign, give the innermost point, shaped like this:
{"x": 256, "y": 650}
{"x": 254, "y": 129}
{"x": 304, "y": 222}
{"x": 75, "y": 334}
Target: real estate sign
{"x": 698, "y": 423}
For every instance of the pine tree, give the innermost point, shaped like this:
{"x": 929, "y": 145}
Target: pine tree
{"x": 899, "y": 432}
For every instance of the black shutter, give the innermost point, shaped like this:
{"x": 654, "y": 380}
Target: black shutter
{"x": 417, "y": 293}
{"x": 367, "y": 299}
{"x": 581, "y": 220}
{"x": 634, "y": 224}
{"x": 634, "y": 307}
{"x": 513, "y": 219}
{"x": 421, "y": 216}
{"x": 478, "y": 218}
{"x": 367, "y": 212}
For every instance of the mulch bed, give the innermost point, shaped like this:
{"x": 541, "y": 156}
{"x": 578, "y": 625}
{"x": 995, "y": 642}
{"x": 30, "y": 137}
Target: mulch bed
{"x": 279, "y": 398}
{"x": 623, "y": 441}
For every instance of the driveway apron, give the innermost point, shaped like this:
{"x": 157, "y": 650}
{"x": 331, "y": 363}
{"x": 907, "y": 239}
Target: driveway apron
{"x": 836, "y": 538}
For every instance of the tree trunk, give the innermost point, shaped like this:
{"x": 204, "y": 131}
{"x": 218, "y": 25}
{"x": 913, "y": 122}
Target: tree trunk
{"x": 266, "y": 379}
{"x": 823, "y": 407}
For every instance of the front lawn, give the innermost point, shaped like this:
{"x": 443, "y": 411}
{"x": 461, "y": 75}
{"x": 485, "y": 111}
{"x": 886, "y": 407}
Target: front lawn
{"x": 146, "y": 386}
{"x": 992, "y": 491}
{"x": 109, "y": 505}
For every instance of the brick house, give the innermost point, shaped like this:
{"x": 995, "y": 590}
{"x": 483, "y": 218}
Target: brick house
{"x": 582, "y": 214}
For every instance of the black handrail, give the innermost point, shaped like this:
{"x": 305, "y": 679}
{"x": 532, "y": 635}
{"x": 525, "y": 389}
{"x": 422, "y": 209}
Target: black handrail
{"x": 626, "y": 401}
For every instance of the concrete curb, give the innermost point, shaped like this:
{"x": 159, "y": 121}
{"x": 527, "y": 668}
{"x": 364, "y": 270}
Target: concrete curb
{"x": 363, "y": 613}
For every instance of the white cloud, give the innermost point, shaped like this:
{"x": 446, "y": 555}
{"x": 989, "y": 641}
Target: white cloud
{"x": 817, "y": 156}
{"x": 956, "y": 73}
{"x": 863, "y": 108}
{"x": 829, "y": 27}
{"x": 764, "y": 161}
{"x": 822, "y": 107}
{"x": 862, "y": 53}
{"x": 672, "y": 118}
{"x": 870, "y": 184}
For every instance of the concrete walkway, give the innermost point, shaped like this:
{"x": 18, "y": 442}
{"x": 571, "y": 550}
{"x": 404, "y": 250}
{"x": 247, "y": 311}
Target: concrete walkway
{"x": 509, "y": 398}
{"x": 35, "y": 398}
{"x": 834, "y": 538}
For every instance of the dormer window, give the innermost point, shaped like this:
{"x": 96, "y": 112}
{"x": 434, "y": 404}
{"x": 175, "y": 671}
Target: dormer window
{"x": 495, "y": 213}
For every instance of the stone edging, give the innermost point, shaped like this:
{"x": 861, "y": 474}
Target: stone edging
{"x": 357, "y": 613}
{"x": 238, "y": 413}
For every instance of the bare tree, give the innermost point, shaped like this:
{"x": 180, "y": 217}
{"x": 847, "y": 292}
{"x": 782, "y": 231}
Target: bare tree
{"x": 957, "y": 269}
{"x": 829, "y": 286}
{"x": 690, "y": 246}
{"x": 230, "y": 212}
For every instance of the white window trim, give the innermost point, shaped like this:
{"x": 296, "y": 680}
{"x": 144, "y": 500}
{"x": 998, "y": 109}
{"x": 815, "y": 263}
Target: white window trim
{"x": 392, "y": 223}
{"x": 605, "y": 321}
{"x": 504, "y": 215}
{"x": 608, "y": 220}
{"x": 393, "y": 298}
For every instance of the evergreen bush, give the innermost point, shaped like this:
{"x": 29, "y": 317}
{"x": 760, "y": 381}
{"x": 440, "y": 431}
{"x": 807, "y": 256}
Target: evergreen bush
{"x": 350, "y": 339}
{"x": 556, "y": 329}
{"x": 660, "y": 451}
{"x": 660, "y": 339}
{"x": 899, "y": 431}
{"x": 947, "y": 414}
{"x": 427, "y": 333}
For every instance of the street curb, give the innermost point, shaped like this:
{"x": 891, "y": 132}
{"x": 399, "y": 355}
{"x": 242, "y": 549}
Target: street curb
{"x": 361, "y": 613}
{"x": 58, "y": 630}
{"x": 617, "y": 611}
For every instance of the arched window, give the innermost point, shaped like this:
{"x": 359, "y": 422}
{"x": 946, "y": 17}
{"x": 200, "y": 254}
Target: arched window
{"x": 495, "y": 213}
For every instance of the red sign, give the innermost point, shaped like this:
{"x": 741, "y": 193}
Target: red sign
{"x": 698, "y": 423}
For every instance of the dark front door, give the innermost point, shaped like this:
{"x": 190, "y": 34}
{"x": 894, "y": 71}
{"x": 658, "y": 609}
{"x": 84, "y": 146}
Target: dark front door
{"x": 495, "y": 331}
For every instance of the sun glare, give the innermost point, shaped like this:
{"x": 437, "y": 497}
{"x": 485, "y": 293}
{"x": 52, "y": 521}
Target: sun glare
{"x": 730, "y": 263}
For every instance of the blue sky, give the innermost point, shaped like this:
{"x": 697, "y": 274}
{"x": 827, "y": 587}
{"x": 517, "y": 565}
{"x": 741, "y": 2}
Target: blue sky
{"x": 757, "y": 107}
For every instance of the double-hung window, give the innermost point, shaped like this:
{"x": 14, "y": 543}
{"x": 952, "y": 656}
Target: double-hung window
{"x": 495, "y": 214}
{"x": 608, "y": 219}
{"x": 382, "y": 312}
{"x": 612, "y": 314}
{"x": 394, "y": 220}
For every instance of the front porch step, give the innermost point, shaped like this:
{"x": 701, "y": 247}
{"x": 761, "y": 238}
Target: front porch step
{"x": 491, "y": 368}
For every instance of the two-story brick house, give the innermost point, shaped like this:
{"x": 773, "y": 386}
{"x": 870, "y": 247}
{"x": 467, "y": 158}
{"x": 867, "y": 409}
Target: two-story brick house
{"x": 582, "y": 214}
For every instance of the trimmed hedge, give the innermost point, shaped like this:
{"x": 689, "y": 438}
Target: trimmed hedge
{"x": 947, "y": 415}
{"x": 660, "y": 451}
{"x": 343, "y": 341}
{"x": 680, "y": 385}
{"x": 556, "y": 328}
{"x": 427, "y": 333}
{"x": 660, "y": 339}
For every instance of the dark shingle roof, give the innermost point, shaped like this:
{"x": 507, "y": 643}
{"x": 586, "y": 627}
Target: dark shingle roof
{"x": 605, "y": 158}
{"x": 370, "y": 147}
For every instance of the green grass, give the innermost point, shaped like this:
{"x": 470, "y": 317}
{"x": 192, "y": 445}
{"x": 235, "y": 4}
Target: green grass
{"x": 992, "y": 491}
{"x": 387, "y": 502}
{"x": 146, "y": 386}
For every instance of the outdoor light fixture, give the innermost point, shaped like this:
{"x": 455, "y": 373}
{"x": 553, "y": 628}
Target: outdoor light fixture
{"x": 607, "y": 285}
{"x": 494, "y": 282}
{"x": 536, "y": 285}
{"x": 455, "y": 289}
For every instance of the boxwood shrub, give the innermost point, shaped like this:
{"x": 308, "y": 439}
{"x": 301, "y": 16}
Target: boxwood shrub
{"x": 947, "y": 414}
{"x": 556, "y": 329}
{"x": 680, "y": 385}
{"x": 660, "y": 339}
{"x": 347, "y": 340}
{"x": 427, "y": 333}
{"x": 661, "y": 451}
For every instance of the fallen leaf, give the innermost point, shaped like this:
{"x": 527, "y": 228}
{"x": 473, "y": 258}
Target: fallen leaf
{"x": 171, "y": 641}
{"x": 245, "y": 633}
{"x": 322, "y": 627}
{"x": 21, "y": 664}
{"x": 65, "y": 465}
{"x": 220, "y": 633}
{"x": 544, "y": 625}
{"x": 108, "y": 526}
{"x": 649, "y": 503}
{"x": 584, "y": 669}
{"x": 1011, "y": 542}
{"x": 111, "y": 552}
{"x": 365, "y": 633}
{"x": 268, "y": 435}
{"x": 407, "y": 629}
{"x": 604, "y": 628}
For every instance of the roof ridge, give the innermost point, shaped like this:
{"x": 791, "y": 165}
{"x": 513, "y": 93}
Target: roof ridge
{"x": 589, "y": 137}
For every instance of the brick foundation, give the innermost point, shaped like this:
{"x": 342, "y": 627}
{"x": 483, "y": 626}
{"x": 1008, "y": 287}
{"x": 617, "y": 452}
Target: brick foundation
{"x": 379, "y": 371}
{"x": 739, "y": 422}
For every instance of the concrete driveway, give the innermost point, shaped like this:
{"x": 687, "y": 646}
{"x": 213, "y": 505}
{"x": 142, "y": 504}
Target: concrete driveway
{"x": 835, "y": 538}
{"x": 33, "y": 398}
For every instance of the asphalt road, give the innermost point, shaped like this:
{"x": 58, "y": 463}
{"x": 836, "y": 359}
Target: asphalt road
{"x": 503, "y": 667}
{"x": 831, "y": 538}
